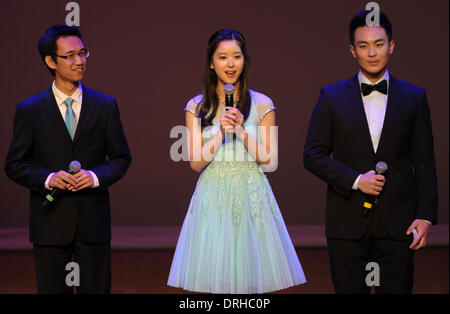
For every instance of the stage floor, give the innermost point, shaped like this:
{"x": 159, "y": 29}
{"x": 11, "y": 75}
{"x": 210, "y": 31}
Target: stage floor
{"x": 145, "y": 271}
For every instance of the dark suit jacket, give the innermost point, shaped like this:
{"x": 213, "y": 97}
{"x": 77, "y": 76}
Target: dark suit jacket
{"x": 41, "y": 145}
{"x": 339, "y": 127}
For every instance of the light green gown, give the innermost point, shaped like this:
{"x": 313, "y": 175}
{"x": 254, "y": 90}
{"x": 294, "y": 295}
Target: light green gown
{"x": 234, "y": 239}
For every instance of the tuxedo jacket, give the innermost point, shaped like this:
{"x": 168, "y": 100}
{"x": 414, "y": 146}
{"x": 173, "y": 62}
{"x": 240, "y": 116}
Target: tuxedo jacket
{"x": 338, "y": 148}
{"x": 41, "y": 145}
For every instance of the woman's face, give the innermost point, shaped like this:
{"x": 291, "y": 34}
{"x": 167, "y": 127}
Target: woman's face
{"x": 227, "y": 62}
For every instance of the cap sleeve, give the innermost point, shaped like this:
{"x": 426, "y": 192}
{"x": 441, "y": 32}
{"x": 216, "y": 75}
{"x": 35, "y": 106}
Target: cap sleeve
{"x": 193, "y": 105}
{"x": 265, "y": 105}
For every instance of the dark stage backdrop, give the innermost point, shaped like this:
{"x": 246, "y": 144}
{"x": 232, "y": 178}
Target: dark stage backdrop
{"x": 150, "y": 56}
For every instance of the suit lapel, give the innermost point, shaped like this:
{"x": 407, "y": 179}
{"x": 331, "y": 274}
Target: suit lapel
{"x": 54, "y": 114}
{"x": 358, "y": 113}
{"x": 87, "y": 107}
{"x": 391, "y": 109}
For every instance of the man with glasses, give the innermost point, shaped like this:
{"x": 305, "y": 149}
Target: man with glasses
{"x": 69, "y": 210}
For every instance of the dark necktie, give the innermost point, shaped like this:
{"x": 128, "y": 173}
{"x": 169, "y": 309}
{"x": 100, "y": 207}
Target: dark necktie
{"x": 366, "y": 89}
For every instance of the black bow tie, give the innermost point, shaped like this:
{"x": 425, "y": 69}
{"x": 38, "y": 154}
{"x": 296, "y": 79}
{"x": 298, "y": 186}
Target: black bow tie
{"x": 366, "y": 89}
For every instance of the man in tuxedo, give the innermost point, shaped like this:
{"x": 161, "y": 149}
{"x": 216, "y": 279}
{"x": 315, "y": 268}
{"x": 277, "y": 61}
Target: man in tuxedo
{"x": 361, "y": 121}
{"x": 64, "y": 123}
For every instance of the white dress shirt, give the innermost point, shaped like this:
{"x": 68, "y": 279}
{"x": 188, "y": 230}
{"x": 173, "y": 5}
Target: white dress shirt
{"x": 375, "y": 109}
{"x": 60, "y": 97}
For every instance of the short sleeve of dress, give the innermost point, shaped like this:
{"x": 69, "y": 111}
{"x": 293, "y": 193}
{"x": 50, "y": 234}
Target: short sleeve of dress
{"x": 265, "y": 105}
{"x": 193, "y": 105}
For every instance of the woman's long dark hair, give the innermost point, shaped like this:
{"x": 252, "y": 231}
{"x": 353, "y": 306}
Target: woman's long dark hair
{"x": 210, "y": 101}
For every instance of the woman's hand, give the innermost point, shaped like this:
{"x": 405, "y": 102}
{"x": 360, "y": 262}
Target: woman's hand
{"x": 233, "y": 119}
{"x": 226, "y": 123}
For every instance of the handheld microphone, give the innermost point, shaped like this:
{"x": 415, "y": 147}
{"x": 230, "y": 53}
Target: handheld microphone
{"x": 380, "y": 168}
{"x": 229, "y": 101}
{"x": 74, "y": 167}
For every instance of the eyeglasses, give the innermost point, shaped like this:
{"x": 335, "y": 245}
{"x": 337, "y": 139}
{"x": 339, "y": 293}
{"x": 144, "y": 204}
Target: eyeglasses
{"x": 83, "y": 54}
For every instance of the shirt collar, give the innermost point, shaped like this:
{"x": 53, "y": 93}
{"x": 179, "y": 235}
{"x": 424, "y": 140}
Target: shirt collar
{"x": 60, "y": 96}
{"x": 363, "y": 79}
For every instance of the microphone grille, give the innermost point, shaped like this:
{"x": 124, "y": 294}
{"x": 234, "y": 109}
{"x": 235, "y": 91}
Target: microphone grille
{"x": 228, "y": 89}
{"x": 74, "y": 166}
{"x": 381, "y": 167}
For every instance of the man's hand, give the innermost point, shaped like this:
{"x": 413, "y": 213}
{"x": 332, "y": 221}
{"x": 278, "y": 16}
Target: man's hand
{"x": 83, "y": 179}
{"x": 371, "y": 183}
{"x": 422, "y": 228}
{"x": 62, "y": 180}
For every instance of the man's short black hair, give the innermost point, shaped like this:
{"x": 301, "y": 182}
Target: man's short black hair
{"x": 47, "y": 44}
{"x": 359, "y": 20}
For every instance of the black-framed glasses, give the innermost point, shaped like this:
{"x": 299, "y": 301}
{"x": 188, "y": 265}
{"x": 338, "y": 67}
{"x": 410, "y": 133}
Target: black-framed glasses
{"x": 83, "y": 54}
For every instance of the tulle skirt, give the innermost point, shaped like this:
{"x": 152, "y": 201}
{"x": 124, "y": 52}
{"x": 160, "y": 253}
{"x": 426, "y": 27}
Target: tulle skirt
{"x": 234, "y": 239}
